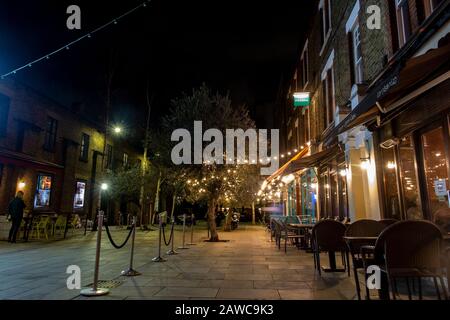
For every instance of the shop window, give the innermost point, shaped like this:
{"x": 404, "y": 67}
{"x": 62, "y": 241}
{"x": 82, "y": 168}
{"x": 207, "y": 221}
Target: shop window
{"x": 342, "y": 187}
{"x": 309, "y": 188}
{"x": 4, "y": 111}
{"x": 409, "y": 181}
{"x": 78, "y": 201}
{"x": 50, "y": 134}
{"x": 392, "y": 203}
{"x": 324, "y": 196}
{"x": 436, "y": 174}
{"x": 43, "y": 191}
{"x": 84, "y": 147}
{"x": 334, "y": 194}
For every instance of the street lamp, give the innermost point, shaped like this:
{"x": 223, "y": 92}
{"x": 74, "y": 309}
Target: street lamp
{"x": 117, "y": 130}
{"x": 104, "y": 186}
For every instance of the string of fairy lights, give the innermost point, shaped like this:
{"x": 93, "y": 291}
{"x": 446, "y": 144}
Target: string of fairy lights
{"x": 70, "y": 44}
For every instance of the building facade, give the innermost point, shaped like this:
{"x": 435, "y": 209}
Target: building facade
{"x": 55, "y": 155}
{"x": 371, "y": 78}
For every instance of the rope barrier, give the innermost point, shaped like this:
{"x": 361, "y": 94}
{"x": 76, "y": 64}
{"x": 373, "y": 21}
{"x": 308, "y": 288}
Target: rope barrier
{"x": 112, "y": 241}
{"x": 164, "y": 235}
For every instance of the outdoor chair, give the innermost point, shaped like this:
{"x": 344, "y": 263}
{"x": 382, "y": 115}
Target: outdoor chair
{"x": 361, "y": 228}
{"x": 41, "y": 225}
{"x": 290, "y": 234}
{"x": 328, "y": 236}
{"x": 409, "y": 250}
{"x": 60, "y": 223}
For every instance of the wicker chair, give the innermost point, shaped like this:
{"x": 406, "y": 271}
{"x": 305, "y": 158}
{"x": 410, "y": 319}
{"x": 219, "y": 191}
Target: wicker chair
{"x": 388, "y": 222}
{"x": 410, "y": 250}
{"x": 283, "y": 232}
{"x": 361, "y": 228}
{"x": 328, "y": 235}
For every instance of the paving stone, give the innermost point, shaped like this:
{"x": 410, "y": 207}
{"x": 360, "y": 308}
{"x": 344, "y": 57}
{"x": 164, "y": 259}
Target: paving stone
{"x": 254, "y": 294}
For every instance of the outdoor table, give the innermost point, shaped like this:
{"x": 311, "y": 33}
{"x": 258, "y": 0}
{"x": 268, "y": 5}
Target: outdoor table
{"x": 302, "y": 226}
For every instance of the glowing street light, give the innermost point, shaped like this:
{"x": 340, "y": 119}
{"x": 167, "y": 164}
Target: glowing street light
{"x": 117, "y": 130}
{"x": 104, "y": 186}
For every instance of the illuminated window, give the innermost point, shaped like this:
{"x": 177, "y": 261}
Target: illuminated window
{"x": 78, "y": 201}
{"x": 43, "y": 191}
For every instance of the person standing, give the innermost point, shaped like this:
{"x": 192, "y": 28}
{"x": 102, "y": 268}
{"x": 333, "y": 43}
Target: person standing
{"x": 15, "y": 210}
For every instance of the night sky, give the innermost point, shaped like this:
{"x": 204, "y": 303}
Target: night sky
{"x": 240, "y": 47}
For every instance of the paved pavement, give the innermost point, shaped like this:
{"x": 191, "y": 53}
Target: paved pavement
{"x": 248, "y": 266}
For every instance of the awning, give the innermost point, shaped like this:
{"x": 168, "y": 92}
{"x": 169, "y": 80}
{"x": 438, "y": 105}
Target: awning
{"x": 281, "y": 170}
{"x": 25, "y": 160}
{"x": 392, "y": 86}
{"x": 311, "y": 161}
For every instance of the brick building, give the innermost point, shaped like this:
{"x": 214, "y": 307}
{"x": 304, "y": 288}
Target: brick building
{"x": 348, "y": 67}
{"x": 55, "y": 154}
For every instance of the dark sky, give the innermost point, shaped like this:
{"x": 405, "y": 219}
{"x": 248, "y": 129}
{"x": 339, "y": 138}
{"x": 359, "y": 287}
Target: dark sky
{"x": 242, "y": 47}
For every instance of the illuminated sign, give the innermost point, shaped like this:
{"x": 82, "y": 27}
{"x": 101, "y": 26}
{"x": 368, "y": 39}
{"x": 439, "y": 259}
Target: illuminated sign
{"x": 301, "y": 99}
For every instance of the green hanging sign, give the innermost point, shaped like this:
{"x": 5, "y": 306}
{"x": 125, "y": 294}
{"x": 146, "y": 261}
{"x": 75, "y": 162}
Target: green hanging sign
{"x": 301, "y": 99}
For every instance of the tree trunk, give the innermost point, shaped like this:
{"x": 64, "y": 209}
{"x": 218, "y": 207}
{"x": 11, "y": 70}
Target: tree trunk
{"x": 214, "y": 236}
{"x": 174, "y": 196}
{"x": 253, "y": 213}
{"x": 158, "y": 185}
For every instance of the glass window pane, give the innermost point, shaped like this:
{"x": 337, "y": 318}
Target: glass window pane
{"x": 412, "y": 202}
{"x": 392, "y": 209}
{"x": 435, "y": 164}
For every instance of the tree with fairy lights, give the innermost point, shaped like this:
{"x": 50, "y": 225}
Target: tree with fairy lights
{"x": 214, "y": 182}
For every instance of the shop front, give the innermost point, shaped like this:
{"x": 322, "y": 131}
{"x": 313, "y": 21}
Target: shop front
{"x": 415, "y": 162}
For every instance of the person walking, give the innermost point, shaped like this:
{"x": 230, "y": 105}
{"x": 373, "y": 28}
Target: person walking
{"x": 15, "y": 210}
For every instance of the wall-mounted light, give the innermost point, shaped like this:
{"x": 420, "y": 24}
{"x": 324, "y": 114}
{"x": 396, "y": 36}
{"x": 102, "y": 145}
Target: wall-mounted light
{"x": 21, "y": 185}
{"x": 365, "y": 163}
{"x": 391, "y": 165}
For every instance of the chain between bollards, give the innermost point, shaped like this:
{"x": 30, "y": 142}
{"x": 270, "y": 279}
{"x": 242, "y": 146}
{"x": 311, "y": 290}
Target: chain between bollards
{"x": 172, "y": 250}
{"x": 192, "y": 231}
{"x": 159, "y": 258}
{"x": 95, "y": 291}
{"x": 131, "y": 272}
{"x": 184, "y": 233}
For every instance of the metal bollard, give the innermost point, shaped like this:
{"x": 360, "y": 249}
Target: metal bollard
{"x": 192, "y": 232}
{"x": 94, "y": 291}
{"x": 172, "y": 251}
{"x": 131, "y": 272}
{"x": 184, "y": 233}
{"x": 159, "y": 258}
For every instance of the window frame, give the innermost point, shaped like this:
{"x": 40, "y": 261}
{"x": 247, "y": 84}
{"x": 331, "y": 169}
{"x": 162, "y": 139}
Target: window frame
{"x": 84, "y": 147}
{"x": 325, "y": 21}
{"x": 403, "y": 23}
{"x": 329, "y": 94}
{"x": 52, "y": 181}
{"x": 51, "y": 131}
{"x": 109, "y": 156}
